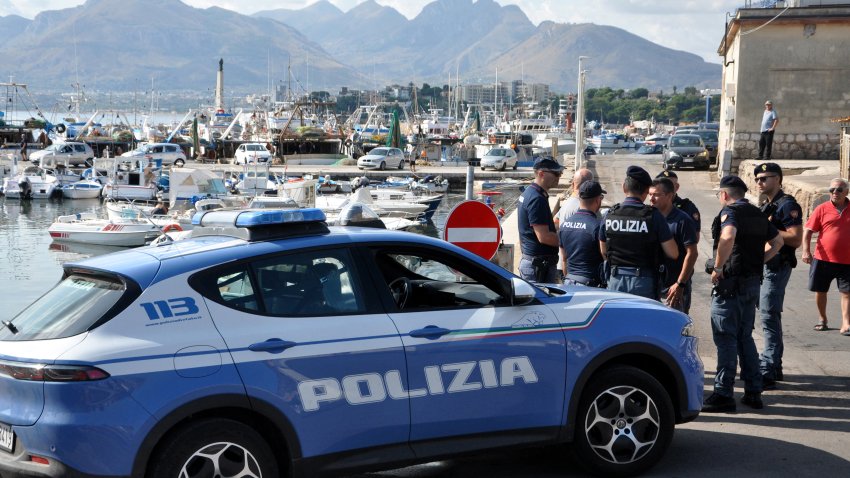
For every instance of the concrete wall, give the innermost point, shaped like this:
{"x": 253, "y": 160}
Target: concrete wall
{"x": 800, "y": 61}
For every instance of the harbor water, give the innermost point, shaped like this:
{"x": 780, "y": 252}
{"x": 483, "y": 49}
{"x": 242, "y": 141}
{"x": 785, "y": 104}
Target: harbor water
{"x": 31, "y": 263}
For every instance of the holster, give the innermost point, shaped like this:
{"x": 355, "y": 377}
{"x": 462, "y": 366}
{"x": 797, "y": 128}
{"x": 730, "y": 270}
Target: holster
{"x": 725, "y": 288}
{"x": 541, "y": 267}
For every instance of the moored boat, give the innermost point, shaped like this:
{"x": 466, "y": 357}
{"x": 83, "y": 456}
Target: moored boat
{"x": 88, "y": 228}
{"x": 85, "y": 189}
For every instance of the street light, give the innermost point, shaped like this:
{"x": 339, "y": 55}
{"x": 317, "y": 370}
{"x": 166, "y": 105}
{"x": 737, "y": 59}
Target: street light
{"x": 580, "y": 115}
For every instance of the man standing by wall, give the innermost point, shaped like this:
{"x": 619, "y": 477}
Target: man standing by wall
{"x": 629, "y": 238}
{"x": 832, "y": 254}
{"x": 579, "y": 237}
{"x": 769, "y": 120}
{"x": 740, "y": 232}
{"x": 786, "y": 216}
{"x": 538, "y": 237}
{"x": 675, "y": 278}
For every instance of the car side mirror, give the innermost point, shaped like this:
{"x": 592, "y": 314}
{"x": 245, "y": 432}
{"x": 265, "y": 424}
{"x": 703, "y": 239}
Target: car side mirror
{"x": 522, "y": 292}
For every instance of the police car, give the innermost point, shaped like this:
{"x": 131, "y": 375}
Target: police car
{"x": 272, "y": 344}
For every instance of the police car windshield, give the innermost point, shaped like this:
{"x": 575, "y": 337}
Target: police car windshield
{"x": 70, "y": 308}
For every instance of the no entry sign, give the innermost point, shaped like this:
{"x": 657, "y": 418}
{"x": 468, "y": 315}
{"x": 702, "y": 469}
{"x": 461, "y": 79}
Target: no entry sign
{"x": 473, "y": 226}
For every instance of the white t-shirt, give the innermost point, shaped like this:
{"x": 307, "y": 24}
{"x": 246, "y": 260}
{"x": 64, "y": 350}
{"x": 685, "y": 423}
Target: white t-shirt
{"x": 568, "y": 208}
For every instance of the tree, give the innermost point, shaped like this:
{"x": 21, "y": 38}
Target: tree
{"x": 638, "y": 93}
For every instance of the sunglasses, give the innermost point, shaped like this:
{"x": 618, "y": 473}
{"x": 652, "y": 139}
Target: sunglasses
{"x": 836, "y": 190}
{"x": 762, "y": 179}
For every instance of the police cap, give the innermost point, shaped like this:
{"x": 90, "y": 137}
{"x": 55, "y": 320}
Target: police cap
{"x": 768, "y": 168}
{"x": 667, "y": 174}
{"x": 590, "y": 190}
{"x": 733, "y": 182}
{"x": 548, "y": 164}
{"x": 640, "y": 175}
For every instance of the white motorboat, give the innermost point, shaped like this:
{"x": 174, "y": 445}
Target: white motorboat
{"x": 33, "y": 183}
{"x": 384, "y": 208}
{"x": 127, "y": 181}
{"x": 88, "y": 228}
{"x": 85, "y": 189}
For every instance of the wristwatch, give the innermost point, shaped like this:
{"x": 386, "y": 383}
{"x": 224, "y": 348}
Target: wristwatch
{"x": 681, "y": 284}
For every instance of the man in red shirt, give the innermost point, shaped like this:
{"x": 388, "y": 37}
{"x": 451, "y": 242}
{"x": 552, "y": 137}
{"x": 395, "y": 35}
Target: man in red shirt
{"x": 832, "y": 256}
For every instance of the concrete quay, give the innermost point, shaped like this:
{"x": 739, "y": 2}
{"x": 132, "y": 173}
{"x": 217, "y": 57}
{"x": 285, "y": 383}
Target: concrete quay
{"x": 805, "y": 179}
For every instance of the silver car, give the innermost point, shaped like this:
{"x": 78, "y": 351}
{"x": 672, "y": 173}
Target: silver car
{"x": 382, "y": 158}
{"x": 499, "y": 158}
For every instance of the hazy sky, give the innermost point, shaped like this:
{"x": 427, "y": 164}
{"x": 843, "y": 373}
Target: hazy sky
{"x": 695, "y": 26}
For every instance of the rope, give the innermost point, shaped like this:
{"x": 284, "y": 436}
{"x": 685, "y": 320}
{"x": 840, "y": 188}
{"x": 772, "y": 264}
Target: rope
{"x": 766, "y": 24}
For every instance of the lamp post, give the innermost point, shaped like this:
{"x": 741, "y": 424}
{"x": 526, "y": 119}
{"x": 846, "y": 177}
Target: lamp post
{"x": 580, "y": 115}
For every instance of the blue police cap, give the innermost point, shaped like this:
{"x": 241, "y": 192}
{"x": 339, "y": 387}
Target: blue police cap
{"x": 590, "y": 190}
{"x": 732, "y": 182}
{"x": 667, "y": 174}
{"x": 640, "y": 175}
{"x": 548, "y": 164}
{"x": 768, "y": 168}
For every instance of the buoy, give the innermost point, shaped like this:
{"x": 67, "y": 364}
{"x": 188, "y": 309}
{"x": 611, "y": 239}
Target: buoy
{"x": 172, "y": 227}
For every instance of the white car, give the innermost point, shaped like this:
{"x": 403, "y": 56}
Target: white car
{"x": 499, "y": 158}
{"x": 74, "y": 153}
{"x": 169, "y": 153}
{"x": 382, "y": 158}
{"x": 252, "y": 153}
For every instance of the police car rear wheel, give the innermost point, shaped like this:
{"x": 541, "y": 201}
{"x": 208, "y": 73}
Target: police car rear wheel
{"x": 211, "y": 449}
{"x": 625, "y": 422}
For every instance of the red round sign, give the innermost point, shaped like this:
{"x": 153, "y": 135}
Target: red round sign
{"x": 473, "y": 226}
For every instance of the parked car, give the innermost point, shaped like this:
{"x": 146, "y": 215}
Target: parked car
{"x": 651, "y": 149}
{"x": 709, "y": 137}
{"x": 252, "y": 153}
{"x": 73, "y": 153}
{"x": 687, "y": 129}
{"x": 382, "y": 158}
{"x": 499, "y": 158}
{"x": 169, "y": 153}
{"x": 270, "y": 344}
{"x": 685, "y": 150}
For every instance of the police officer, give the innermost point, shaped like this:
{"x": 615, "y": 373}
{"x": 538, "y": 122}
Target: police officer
{"x": 739, "y": 232}
{"x": 786, "y": 215}
{"x": 538, "y": 237}
{"x": 629, "y": 238}
{"x": 684, "y": 204}
{"x": 579, "y": 237}
{"x": 675, "y": 278}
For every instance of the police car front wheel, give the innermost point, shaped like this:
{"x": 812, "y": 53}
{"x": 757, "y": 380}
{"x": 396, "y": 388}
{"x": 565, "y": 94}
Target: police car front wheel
{"x": 213, "y": 448}
{"x": 625, "y": 422}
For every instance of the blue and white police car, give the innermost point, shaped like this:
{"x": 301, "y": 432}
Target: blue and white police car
{"x": 271, "y": 344}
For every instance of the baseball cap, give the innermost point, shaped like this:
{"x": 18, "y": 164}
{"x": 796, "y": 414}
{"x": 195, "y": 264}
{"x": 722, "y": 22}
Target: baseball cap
{"x": 548, "y": 165}
{"x": 640, "y": 175}
{"x": 768, "y": 102}
{"x": 590, "y": 190}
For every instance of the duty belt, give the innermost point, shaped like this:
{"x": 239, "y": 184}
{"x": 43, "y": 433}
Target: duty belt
{"x": 583, "y": 280}
{"x": 632, "y": 271}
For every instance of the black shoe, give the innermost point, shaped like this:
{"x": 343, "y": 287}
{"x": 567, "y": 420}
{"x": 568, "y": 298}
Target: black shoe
{"x": 768, "y": 383}
{"x": 719, "y": 404}
{"x": 752, "y": 400}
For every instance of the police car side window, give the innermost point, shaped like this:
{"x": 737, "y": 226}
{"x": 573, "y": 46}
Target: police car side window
{"x": 311, "y": 283}
{"x": 437, "y": 282}
{"x": 235, "y": 289}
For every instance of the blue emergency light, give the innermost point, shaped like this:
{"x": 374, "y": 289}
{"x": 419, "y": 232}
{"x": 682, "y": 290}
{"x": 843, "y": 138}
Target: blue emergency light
{"x": 257, "y": 218}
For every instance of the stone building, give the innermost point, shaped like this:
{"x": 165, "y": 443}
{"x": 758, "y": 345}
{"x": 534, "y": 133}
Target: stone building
{"x": 796, "y": 54}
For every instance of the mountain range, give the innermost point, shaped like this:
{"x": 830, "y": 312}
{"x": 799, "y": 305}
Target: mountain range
{"x": 116, "y": 44}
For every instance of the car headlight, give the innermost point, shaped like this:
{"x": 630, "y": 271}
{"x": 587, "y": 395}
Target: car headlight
{"x": 703, "y": 154}
{"x": 688, "y": 329}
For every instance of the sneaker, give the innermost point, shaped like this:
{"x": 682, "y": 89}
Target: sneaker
{"x": 767, "y": 383}
{"x": 752, "y": 400}
{"x": 719, "y": 404}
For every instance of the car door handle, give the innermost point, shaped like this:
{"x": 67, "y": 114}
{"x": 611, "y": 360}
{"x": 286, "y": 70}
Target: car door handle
{"x": 272, "y": 346}
{"x": 430, "y": 332}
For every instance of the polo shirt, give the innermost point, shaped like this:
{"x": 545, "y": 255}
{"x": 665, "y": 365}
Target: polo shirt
{"x": 579, "y": 236}
{"x": 833, "y": 228}
{"x": 534, "y": 210}
{"x": 685, "y": 234}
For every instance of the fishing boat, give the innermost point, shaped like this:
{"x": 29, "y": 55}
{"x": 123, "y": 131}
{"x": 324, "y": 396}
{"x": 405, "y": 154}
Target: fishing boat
{"x": 33, "y": 183}
{"x": 84, "y": 189}
{"x": 87, "y": 227}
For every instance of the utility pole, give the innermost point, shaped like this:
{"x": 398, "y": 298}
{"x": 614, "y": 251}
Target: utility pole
{"x": 580, "y": 116}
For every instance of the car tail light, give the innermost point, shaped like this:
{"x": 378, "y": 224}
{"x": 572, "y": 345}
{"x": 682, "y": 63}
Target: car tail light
{"x": 52, "y": 373}
{"x": 39, "y": 459}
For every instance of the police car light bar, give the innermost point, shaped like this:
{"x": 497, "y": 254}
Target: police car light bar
{"x": 257, "y": 218}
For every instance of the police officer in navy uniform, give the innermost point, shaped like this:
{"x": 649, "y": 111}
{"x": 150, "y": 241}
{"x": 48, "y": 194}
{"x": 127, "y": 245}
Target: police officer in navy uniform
{"x": 685, "y": 204}
{"x": 675, "y": 282}
{"x": 786, "y": 215}
{"x": 739, "y": 232}
{"x": 579, "y": 237}
{"x": 629, "y": 237}
{"x": 538, "y": 237}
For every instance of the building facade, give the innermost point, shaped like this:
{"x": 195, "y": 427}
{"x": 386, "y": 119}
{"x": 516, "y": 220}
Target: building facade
{"x": 797, "y": 55}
